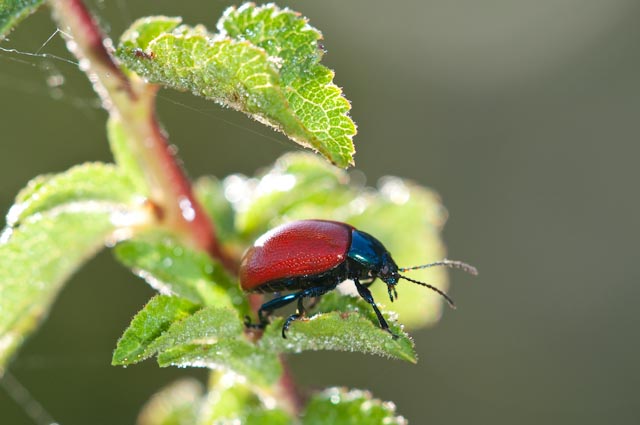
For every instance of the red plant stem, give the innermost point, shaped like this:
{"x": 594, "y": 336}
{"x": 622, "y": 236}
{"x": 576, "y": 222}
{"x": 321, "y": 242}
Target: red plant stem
{"x": 132, "y": 101}
{"x": 289, "y": 389}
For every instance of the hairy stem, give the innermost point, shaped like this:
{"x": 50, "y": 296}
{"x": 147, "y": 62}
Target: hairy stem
{"x": 132, "y": 102}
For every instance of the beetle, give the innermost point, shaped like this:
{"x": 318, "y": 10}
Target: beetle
{"x": 312, "y": 257}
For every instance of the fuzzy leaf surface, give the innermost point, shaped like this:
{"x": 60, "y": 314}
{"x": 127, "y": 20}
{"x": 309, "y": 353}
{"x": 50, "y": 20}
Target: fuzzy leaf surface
{"x": 35, "y": 261}
{"x": 149, "y": 324}
{"x": 172, "y": 268}
{"x": 242, "y": 357}
{"x": 57, "y": 222}
{"x": 232, "y": 400}
{"x": 264, "y": 61}
{"x": 86, "y": 183}
{"x": 342, "y": 406}
{"x": 341, "y": 323}
{"x": 14, "y": 11}
{"x": 213, "y": 338}
{"x": 206, "y": 326}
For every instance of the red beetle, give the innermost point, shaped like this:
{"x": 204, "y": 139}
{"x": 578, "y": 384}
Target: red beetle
{"x": 313, "y": 256}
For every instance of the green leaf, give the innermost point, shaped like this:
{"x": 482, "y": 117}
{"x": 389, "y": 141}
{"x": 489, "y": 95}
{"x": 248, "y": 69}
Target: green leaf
{"x": 126, "y": 157}
{"x": 213, "y": 338}
{"x": 341, "y": 406}
{"x": 149, "y": 324}
{"x": 264, "y": 61}
{"x": 341, "y": 323}
{"x": 234, "y": 400}
{"x": 206, "y": 326}
{"x": 209, "y": 191}
{"x": 295, "y": 182}
{"x": 405, "y": 217}
{"x": 210, "y": 337}
{"x": 32, "y": 187}
{"x": 172, "y": 268}
{"x": 14, "y": 11}
{"x": 57, "y": 223}
{"x": 84, "y": 184}
{"x": 37, "y": 257}
{"x": 176, "y": 404}
{"x": 242, "y": 357}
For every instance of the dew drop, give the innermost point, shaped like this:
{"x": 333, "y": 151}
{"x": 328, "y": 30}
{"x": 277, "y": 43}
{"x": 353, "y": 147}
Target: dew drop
{"x": 108, "y": 43}
{"x": 394, "y": 189}
{"x": 71, "y": 45}
{"x": 84, "y": 64}
{"x": 13, "y": 216}
{"x": 389, "y": 345}
{"x": 173, "y": 149}
{"x": 188, "y": 212}
{"x": 5, "y": 235}
{"x": 55, "y": 80}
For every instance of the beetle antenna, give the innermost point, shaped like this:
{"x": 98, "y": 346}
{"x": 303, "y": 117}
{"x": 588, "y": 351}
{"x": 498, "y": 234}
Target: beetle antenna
{"x": 433, "y": 288}
{"x": 447, "y": 263}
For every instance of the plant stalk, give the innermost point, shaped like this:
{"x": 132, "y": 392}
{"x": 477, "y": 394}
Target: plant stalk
{"x": 132, "y": 101}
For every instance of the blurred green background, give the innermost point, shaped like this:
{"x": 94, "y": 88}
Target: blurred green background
{"x": 522, "y": 115}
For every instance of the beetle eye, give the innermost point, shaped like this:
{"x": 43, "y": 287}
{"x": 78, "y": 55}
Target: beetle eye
{"x": 384, "y": 270}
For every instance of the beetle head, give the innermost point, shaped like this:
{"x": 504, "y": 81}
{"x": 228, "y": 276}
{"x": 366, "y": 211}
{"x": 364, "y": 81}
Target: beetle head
{"x": 388, "y": 273}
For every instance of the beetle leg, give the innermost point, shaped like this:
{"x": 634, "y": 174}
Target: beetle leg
{"x": 248, "y": 324}
{"x": 274, "y": 304}
{"x": 267, "y": 308}
{"x": 300, "y": 312}
{"x": 366, "y": 295}
{"x": 314, "y": 292}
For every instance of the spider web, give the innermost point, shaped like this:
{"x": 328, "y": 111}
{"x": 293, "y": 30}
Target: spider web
{"x": 44, "y": 71}
{"x": 41, "y": 69}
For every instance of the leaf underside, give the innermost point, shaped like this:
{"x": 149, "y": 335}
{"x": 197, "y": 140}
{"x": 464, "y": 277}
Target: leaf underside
{"x": 56, "y": 224}
{"x": 35, "y": 262}
{"x": 264, "y": 61}
{"x": 173, "y": 268}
